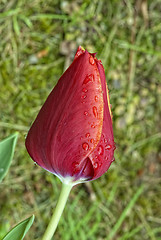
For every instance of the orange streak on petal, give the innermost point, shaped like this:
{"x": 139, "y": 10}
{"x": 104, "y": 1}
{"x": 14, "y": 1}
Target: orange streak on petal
{"x": 99, "y": 110}
{"x": 108, "y": 99}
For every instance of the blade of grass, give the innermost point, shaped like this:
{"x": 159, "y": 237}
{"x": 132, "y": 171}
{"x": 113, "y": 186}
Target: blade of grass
{"x": 26, "y": 20}
{"x": 126, "y": 45}
{"x": 144, "y": 141}
{"x": 156, "y": 230}
{"x": 107, "y": 49}
{"x": 49, "y": 16}
{"x": 112, "y": 193}
{"x": 16, "y": 25}
{"x": 148, "y": 228}
{"x": 124, "y": 213}
{"x": 9, "y": 13}
{"x": 95, "y": 226}
{"x": 131, "y": 234}
{"x": 14, "y": 126}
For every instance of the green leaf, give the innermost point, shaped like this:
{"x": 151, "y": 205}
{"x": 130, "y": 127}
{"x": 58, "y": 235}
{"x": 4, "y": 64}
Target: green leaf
{"x": 7, "y": 147}
{"x": 20, "y": 230}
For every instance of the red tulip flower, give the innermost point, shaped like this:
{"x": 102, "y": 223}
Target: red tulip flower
{"x": 72, "y": 136}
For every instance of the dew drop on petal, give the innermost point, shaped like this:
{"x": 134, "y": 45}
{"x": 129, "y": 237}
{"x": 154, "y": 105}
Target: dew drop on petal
{"x": 92, "y": 140}
{"x": 88, "y": 78}
{"x": 96, "y": 98}
{"x": 108, "y": 147}
{"x": 75, "y": 164}
{"x": 91, "y": 60}
{"x": 92, "y": 126}
{"x": 84, "y": 90}
{"x": 86, "y": 113}
{"x": 100, "y": 150}
{"x": 100, "y": 164}
{"x": 85, "y": 146}
{"x": 105, "y": 140}
{"x": 95, "y": 111}
{"x": 78, "y": 54}
{"x": 96, "y": 165}
{"x": 100, "y": 62}
{"x": 83, "y": 96}
{"x": 87, "y": 135}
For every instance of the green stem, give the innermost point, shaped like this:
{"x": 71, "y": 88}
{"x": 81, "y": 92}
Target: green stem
{"x": 58, "y": 212}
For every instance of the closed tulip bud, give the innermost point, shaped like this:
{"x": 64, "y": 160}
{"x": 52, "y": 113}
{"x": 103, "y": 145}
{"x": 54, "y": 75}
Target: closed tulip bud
{"x": 72, "y": 136}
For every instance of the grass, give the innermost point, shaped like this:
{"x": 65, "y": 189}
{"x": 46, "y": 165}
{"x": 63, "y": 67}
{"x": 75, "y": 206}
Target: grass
{"x": 38, "y": 40}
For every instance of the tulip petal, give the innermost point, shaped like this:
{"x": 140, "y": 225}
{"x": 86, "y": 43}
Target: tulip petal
{"x": 79, "y": 51}
{"x": 102, "y": 156}
{"x": 69, "y": 125}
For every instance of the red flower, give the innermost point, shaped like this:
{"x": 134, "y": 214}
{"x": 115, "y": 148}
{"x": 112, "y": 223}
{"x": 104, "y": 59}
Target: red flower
{"x": 72, "y": 136}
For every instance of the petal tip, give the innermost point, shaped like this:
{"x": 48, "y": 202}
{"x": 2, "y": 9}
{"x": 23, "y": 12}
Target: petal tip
{"x": 79, "y": 52}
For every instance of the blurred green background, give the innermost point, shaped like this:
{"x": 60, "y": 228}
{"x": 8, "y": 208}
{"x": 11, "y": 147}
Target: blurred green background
{"x": 38, "y": 40}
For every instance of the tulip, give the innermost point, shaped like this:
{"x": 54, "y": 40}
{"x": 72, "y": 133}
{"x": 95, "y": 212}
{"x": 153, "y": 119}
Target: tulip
{"x": 72, "y": 136}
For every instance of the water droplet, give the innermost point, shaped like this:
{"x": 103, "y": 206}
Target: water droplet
{"x": 92, "y": 126}
{"x": 85, "y": 146}
{"x": 100, "y": 164}
{"x": 91, "y": 60}
{"x": 86, "y": 113}
{"x": 100, "y": 62}
{"x": 85, "y": 90}
{"x": 105, "y": 140}
{"x": 83, "y": 96}
{"x": 89, "y": 78}
{"x": 87, "y": 135}
{"x": 106, "y": 158}
{"x": 100, "y": 150}
{"x": 114, "y": 147}
{"x": 95, "y": 111}
{"x": 96, "y": 165}
{"x": 113, "y": 159}
{"x": 108, "y": 147}
{"x": 92, "y": 140}
{"x": 75, "y": 164}
{"x": 96, "y": 98}
{"x": 78, "y": 54}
